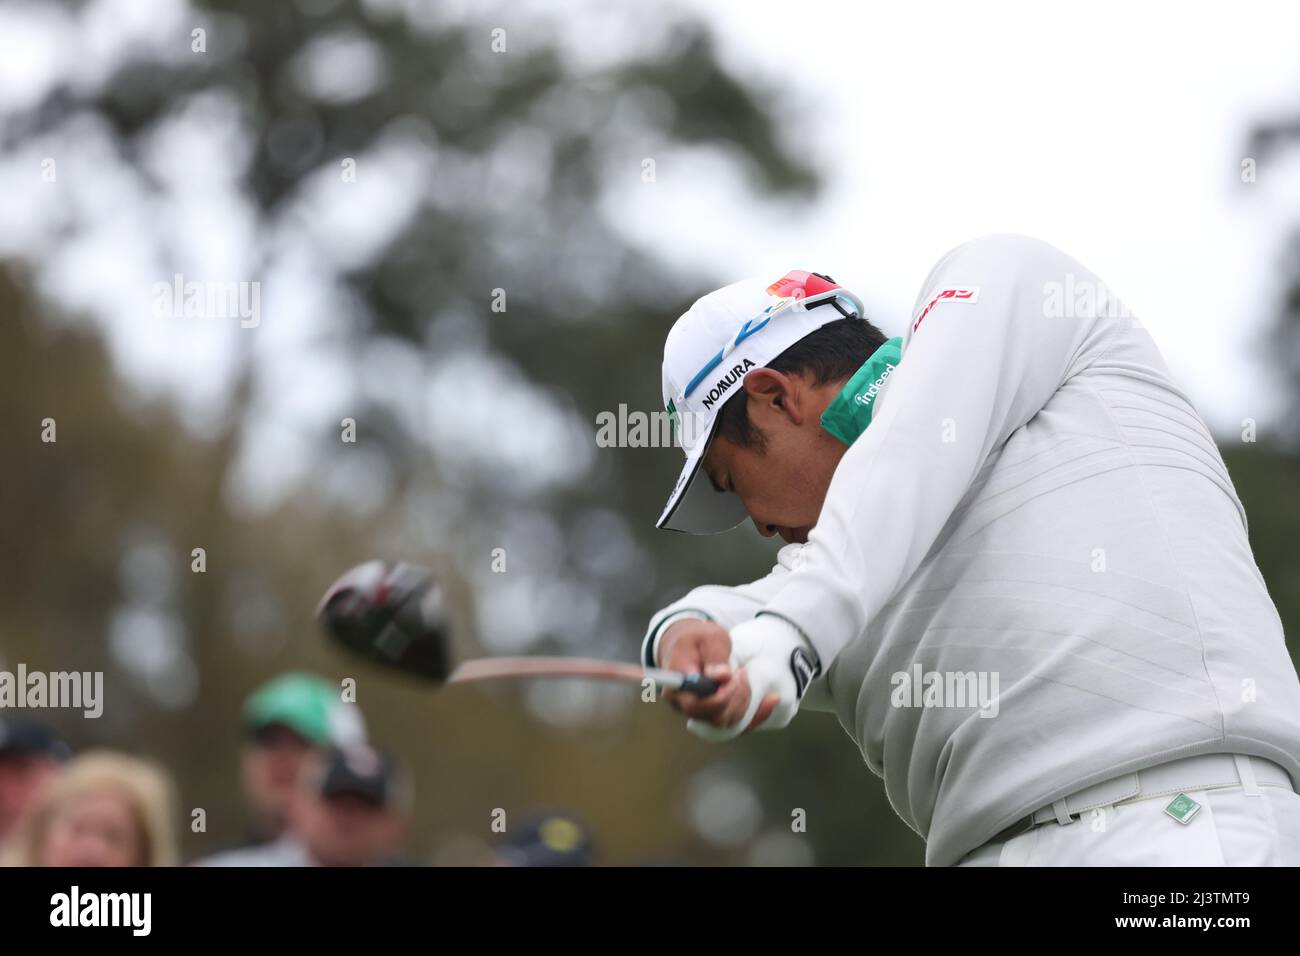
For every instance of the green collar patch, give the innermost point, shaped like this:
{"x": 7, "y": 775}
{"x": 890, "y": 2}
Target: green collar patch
{"x": 849, "y": 413}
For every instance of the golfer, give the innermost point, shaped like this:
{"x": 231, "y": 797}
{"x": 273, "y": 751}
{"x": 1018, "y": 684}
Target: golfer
{"x": 1015, "y": 568}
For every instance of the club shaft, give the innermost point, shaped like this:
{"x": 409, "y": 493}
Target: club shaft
{"x": 501, "y": 668}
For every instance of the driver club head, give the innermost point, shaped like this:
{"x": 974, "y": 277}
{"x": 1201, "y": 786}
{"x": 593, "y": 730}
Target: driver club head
{"x": 393, "y": 615}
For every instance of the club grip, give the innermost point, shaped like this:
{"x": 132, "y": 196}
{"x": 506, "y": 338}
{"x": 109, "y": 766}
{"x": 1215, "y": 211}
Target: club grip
{"x": 698, "y": 684}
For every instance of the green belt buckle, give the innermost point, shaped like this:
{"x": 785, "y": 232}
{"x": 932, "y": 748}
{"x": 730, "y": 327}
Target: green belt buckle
{"x": 1182, "y": 808}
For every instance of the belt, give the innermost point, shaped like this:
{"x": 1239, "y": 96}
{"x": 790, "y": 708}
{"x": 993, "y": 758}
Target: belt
{"x": 1205, "y": 772}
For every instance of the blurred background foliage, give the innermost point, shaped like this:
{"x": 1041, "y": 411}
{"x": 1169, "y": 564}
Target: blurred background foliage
{"x": 475, "y": 171}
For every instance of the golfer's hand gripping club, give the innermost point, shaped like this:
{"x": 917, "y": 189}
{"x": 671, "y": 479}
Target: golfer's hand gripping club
{"x": 699, "y": 685}
{"x": 763, "y": 667}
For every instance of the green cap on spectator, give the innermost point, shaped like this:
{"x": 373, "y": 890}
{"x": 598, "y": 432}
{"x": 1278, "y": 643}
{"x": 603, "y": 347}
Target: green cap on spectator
{"x": 309, "y": 706}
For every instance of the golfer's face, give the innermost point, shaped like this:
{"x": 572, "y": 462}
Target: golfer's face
{"x": 782, "y": 486}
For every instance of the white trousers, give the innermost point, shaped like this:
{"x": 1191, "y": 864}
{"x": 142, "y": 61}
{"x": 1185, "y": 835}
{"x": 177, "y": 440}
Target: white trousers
{"x": 1235, "y": 826}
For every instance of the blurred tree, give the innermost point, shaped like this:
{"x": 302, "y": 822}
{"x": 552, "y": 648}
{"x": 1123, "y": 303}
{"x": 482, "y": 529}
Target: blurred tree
{"x": 1266, "y": 478}
{"x": 1267, "y": 472}
{"x": 1268, "y": 144}
{"x": 586, "y": 313}
{"x": 489, "y": 160}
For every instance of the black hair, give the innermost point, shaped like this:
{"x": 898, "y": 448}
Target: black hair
{"x": 832, "y": 353}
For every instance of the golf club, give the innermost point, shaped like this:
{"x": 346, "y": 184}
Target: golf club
{"x": 395, "y": 616}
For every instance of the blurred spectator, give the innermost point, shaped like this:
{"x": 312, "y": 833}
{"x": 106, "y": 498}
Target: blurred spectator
{"x": 30, "y": 754}
{"x": 553, "y": 839}
{"x": 351, "y": 807}
{"x": 102, "y": 809}
{"x": 284, "y": 723}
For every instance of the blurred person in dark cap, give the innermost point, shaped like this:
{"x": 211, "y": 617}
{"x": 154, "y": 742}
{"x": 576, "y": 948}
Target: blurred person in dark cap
{"x": 550, "y": 839}
{"x": 356, "y": 811}
{"x": 284, "y": 722}
{"x": 350, "y": 807}
{"x": 30, "y": 755}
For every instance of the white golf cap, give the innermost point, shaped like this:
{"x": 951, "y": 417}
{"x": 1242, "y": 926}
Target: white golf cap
{"x": 707, "y": 354}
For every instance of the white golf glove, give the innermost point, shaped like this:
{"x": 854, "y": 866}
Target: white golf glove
{"x": 777, "y": 659}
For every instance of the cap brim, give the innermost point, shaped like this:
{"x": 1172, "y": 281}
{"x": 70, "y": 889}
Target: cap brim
{"x": 695, "y": 506}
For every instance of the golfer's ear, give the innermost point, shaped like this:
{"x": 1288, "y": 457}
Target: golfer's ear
{"x": 771, "y": 389}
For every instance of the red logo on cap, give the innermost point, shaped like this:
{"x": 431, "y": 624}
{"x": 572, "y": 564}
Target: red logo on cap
{"x": 797, "y": 283}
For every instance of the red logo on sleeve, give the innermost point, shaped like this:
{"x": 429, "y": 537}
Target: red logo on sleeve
{"x": 963, "y": 294}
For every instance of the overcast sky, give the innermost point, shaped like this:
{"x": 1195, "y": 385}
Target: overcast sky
{"x": 1116, "y": 131}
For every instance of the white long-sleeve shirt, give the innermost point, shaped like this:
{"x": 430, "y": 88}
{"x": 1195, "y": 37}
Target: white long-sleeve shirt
{"x": 1035, "y": 502}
